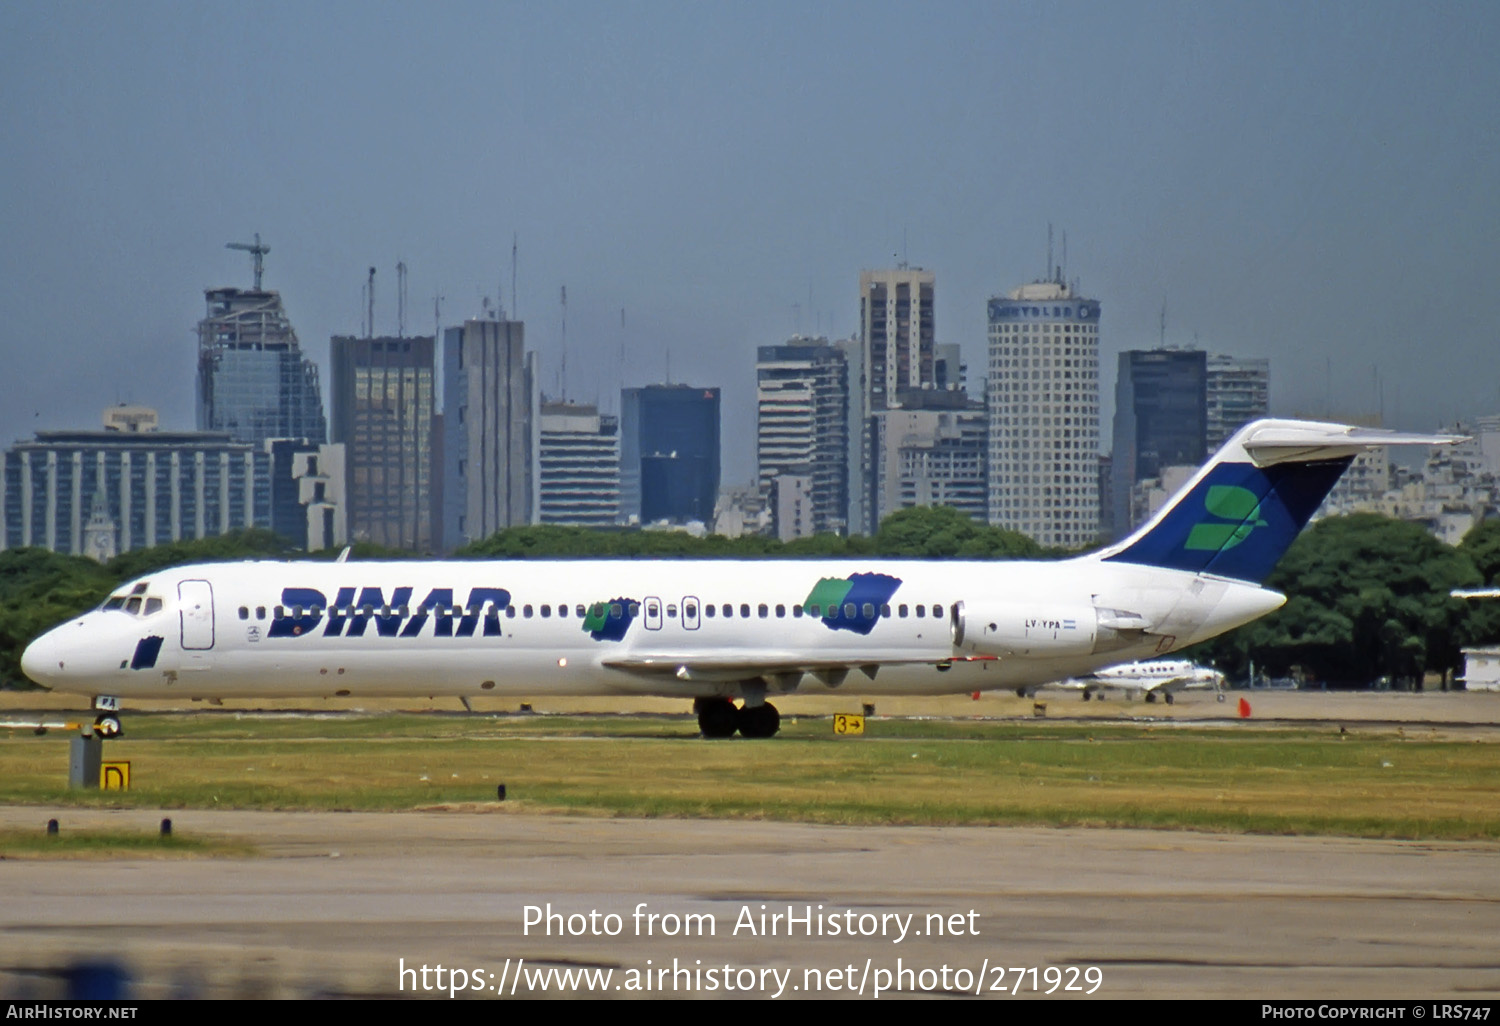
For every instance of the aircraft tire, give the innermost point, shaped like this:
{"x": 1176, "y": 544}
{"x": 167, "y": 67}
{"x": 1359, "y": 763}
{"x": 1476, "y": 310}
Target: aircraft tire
{"x": 108, "y": 726}
{"x": 717, "y": 717}
{"x": 759, "y": 720}
{"x": 1169, "y": 698}
{"x": 1087, "y": 695}
{"x": 1151, "y": 696}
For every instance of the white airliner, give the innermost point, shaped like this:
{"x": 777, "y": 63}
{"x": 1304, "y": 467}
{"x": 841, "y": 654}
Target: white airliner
{"x": 1149, "y": 677}
{"x": 712, "y": 630}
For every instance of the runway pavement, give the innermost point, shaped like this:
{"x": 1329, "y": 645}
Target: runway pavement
{"x": 339, "y": 903}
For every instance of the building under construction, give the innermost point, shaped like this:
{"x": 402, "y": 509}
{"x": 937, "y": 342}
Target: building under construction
{"x": 253, "y": 380}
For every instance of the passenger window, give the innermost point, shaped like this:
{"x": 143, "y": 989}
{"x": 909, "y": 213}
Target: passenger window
{"x": 937, "y": 611}
{"x": 708, "y": 610}
{"x": 244, "y": 612}
{"x": 526, "y": 611}
{"x": 598, "y": 610}
{"x": 260, "y": 612}
{"x": 578, "y": 611}
{"x": 796, "y": 612}
{"x": 690, "y": 611}
{"x": 868, "y": 609}
{"x": 635, "y": 609}
{"x": 615, "y": 610}
{"x": 885, "y": 610}
{"x": 780, "y": 611}
{"x": 510, "y": 612}
{"x": 546, "y": 611}
{"x": 728, "y": 610}
{"x": 745, "y": 610}
{"x": 901, "y": 610}
{"x": 763, "y": 611}
{"x": 921, "y": 610}
{"x": 671, "y": 612}
{"x": 815, "y": 611}
{"x": 280, "y": 613}
{"x": 849, "y": 611}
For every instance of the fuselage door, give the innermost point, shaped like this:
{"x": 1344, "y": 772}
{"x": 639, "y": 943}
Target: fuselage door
{"x": 690, "y": 613}
{"x": 195, "y": 605}
{"x": 653, "y": 613}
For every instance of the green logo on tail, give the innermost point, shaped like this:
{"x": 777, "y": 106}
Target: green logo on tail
{"x": 1232, "y": 503}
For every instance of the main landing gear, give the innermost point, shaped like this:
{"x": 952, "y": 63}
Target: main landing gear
{"x": 718, "y": 717}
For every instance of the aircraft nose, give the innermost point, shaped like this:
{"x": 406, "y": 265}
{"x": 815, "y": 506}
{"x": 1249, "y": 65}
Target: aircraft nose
{"x": 42, "y": 660}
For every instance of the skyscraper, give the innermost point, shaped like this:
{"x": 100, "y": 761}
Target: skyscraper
{"x": 896, "y": 328}
{"x": 1160, "y": 420}
{"x": 580, "y": 466}
{"x": 489, "y": 431}
{"x": 1043, "y": 397}
{"x": 383, "y": 400}
{"x": 253, "y": 380}
{"x": 1238, "y": 391}
{"x": 802, "y": 426}
{"x": 897, "y": 341}
{"x": 669, "y": 453}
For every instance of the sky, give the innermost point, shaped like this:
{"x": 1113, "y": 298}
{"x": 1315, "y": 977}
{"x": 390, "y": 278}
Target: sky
{"x": 1313, "y": 183}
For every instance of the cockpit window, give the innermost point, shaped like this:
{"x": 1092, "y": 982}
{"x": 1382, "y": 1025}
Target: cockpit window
{"x": 115, "y": 602}
{"x": 134, "y": 605}
{"x": 139, "y": 589}
{"x": 153, "y": 605}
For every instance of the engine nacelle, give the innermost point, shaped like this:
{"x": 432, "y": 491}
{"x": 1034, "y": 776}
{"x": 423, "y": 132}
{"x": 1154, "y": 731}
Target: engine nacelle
{"x": 1042, "y": 628}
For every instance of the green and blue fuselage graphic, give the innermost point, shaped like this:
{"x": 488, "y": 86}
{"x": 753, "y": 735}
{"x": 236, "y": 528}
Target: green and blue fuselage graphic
{"x": 854, "y": 603}
{"x": 608, "y": 621}
{"x": 1238, "y": 520}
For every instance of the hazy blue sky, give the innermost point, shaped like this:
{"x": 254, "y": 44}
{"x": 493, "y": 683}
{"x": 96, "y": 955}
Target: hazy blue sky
{"x": 1313, "y": 182}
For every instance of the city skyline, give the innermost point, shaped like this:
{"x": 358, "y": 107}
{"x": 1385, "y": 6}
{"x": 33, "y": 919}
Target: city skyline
{"x": 1304, "y": 184}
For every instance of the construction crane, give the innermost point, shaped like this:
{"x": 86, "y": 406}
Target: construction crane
{"x": 257, "y": 251}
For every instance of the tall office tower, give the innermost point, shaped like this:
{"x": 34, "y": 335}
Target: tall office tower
{"x": 489, "y": 431}
{"x": 1160, "y": 420}
{"x": 253, "y": 380}
{"x": 1239, "y": 391}
{"x": 949, "y": 372}
{"x": 383, "y": 402}
{"x": 1043, "y": 398}
{"x": 669, "y": 453}
{"x": 933, "y": 454}
{"x": 896, "y": 329}
{"x": 580, "y": 466}
{"x": 857, "y": 455}
{"x": 897, "y": 357}
{"x": 802, "y": 426}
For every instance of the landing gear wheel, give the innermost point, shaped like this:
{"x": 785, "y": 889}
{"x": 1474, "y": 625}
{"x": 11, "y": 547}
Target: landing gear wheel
{"x": 717, "y": 717}
{"x": 1088, "y": 696}
{"x": 1169, "y": 698}
{"x": 759, "y": 720}
{"x": 108, "y": 725}
{"x": 1151, "y": 696}
{"x": 1222, "y": 696}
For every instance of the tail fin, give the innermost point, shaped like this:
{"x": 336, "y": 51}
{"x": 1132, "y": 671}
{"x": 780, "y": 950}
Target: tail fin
{"x": 1241, "y": 511}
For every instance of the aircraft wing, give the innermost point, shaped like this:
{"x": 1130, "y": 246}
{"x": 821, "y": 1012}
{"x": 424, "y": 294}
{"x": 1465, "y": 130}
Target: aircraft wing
{"x": 787, "y": 666}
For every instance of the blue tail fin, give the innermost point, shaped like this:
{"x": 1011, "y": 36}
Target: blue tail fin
{"x": 1240, "y": 513}
{"x": 1235, "y": 519}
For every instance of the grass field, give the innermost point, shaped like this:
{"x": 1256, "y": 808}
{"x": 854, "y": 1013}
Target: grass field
{"x": 1371, "y": 782}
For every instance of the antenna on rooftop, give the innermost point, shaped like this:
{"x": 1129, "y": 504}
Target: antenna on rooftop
{"x": 563, "y": 387}
{"x": 257, "y": 251}
{"x": 400, "y": 299}
{"x": 370, "y": 306}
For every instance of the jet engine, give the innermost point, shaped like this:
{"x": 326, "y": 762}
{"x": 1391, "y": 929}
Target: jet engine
{"x": 1043, "y": 628}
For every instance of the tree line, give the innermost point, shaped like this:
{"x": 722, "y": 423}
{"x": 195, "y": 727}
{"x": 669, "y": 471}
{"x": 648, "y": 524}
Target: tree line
{"x": 1367, "y": 595}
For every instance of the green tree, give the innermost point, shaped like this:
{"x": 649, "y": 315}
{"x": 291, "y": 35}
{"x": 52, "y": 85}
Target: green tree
{"x": 1367, "y": 597}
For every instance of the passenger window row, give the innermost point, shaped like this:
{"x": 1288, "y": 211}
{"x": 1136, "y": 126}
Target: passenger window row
{"x": 614, "y": 610}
